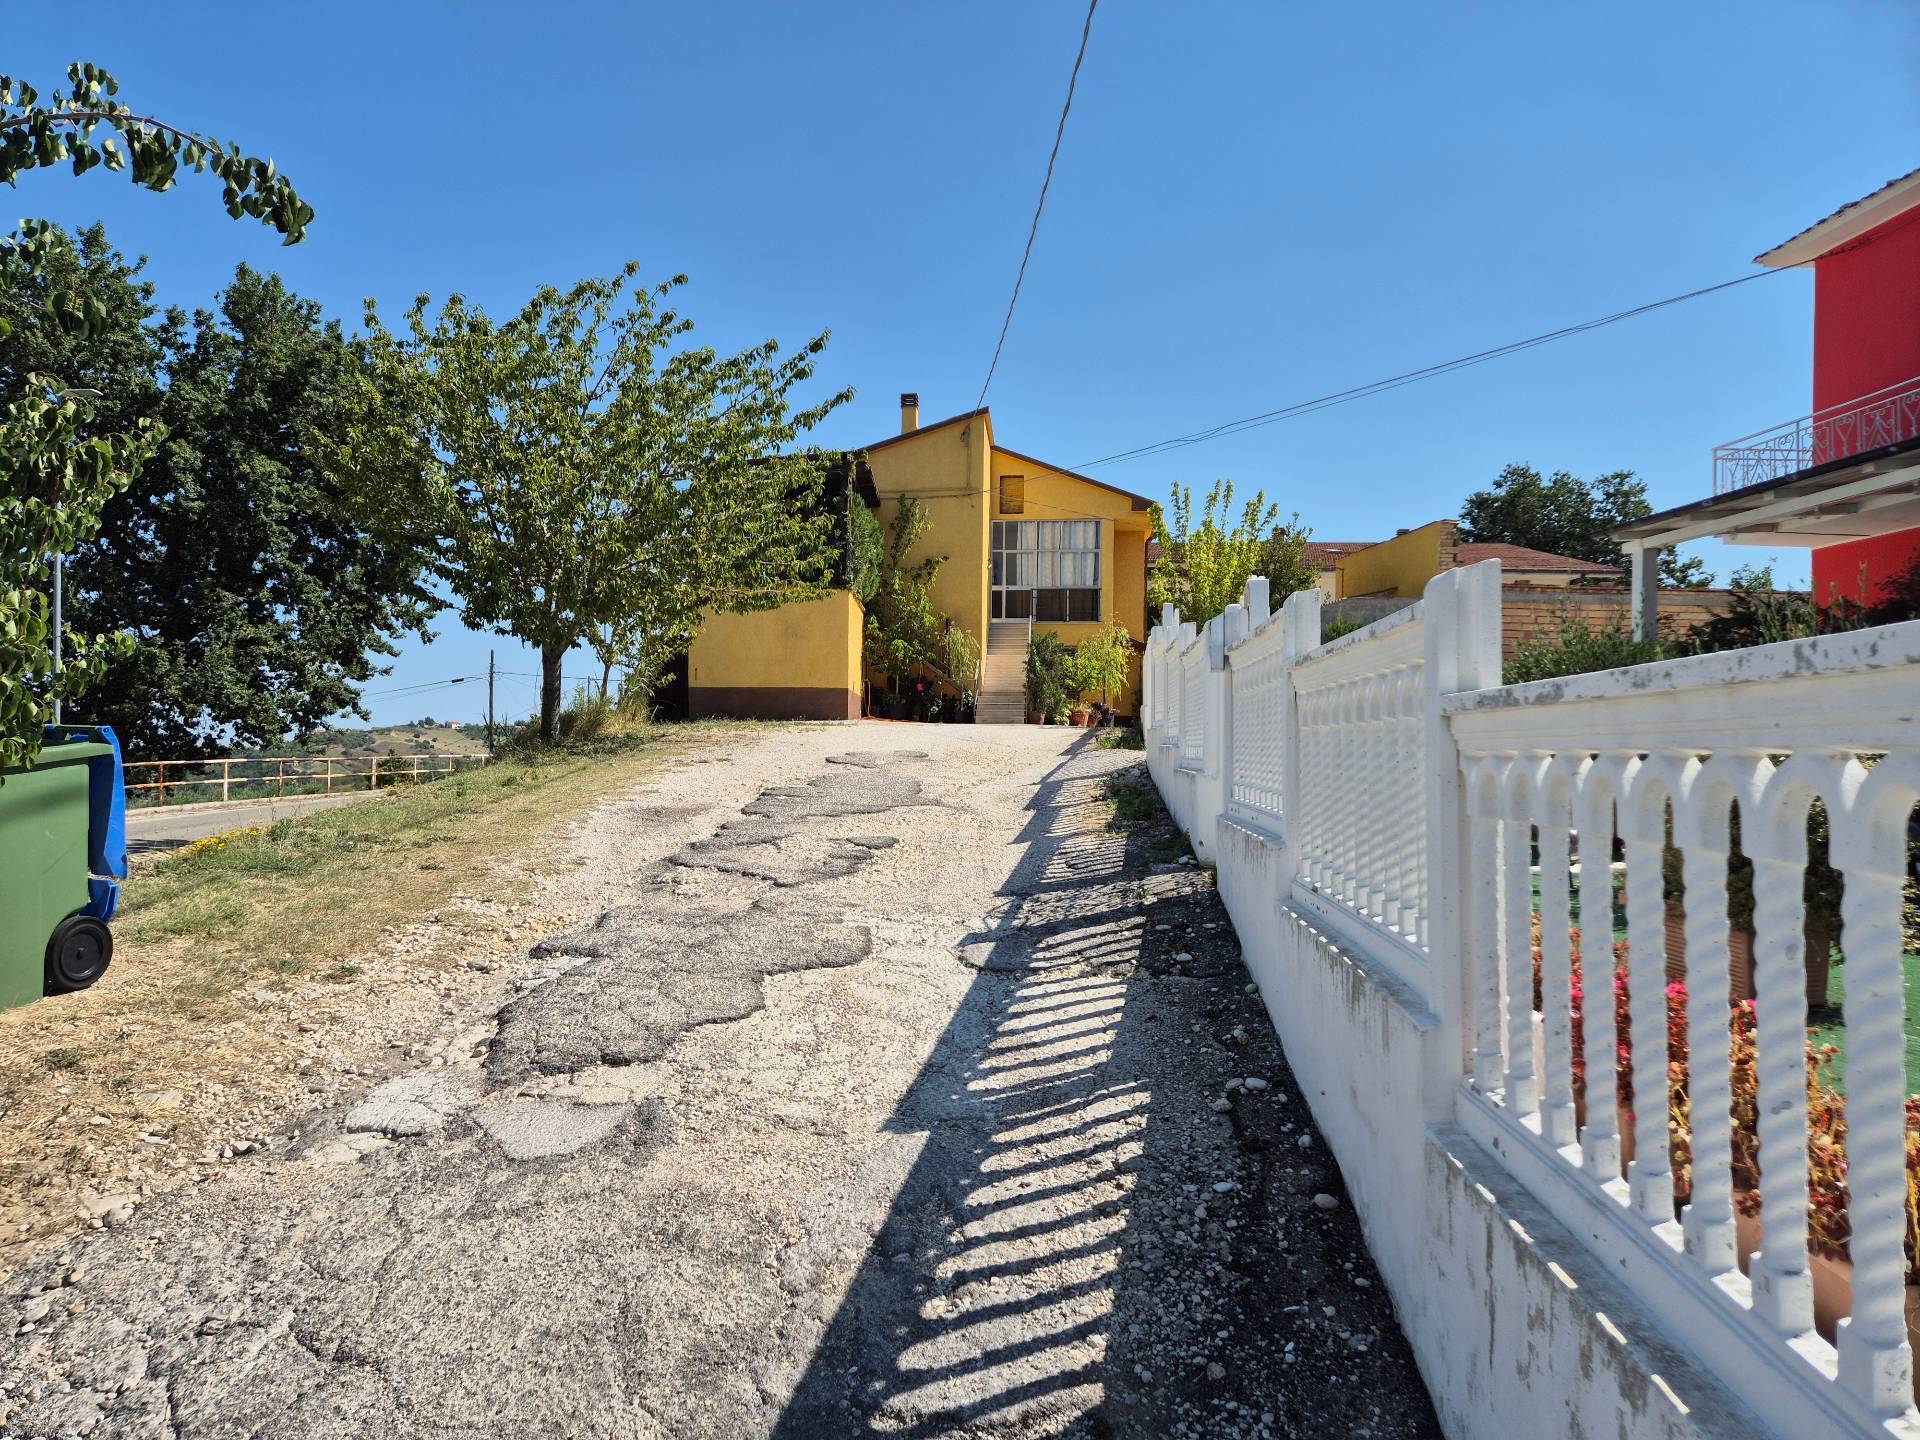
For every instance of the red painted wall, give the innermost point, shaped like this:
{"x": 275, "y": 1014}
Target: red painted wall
{"x": 1836, "y": 568}
{"x": 1866, "y": 313}
{"x": 1866, "y": 336}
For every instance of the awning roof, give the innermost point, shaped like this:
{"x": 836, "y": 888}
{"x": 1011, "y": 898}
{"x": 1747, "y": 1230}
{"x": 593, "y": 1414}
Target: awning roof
{"x": 1873, "y": 493}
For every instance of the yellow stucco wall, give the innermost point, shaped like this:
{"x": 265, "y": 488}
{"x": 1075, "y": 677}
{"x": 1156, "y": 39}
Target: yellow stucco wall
{"x": 814, "y": 644}
{"x": 945, "y": 469}
{"x": 1400, "y": 566}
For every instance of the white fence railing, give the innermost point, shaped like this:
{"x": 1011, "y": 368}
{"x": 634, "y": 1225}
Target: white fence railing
{"x": 1460, "y": 836}
{"x": 254, "y": 777}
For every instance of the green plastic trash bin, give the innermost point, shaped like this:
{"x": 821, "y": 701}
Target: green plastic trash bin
{"x": 45, "y": 879}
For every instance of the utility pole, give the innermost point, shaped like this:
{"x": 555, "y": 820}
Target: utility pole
{"x": 489, "y": 702}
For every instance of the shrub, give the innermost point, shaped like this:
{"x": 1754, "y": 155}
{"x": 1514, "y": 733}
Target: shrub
{"x": 1049, "y": 673}
{"x": 1104, "y": 662}
{"x": 1335, "y": 624}
{"x": 1575, "y": 648}
{"x": 1828, "y": 1225}
{"x": 587, "y": 716}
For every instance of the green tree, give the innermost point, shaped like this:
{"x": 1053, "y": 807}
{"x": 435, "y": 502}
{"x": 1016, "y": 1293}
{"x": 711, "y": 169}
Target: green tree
{"x": 56, "y": 471}
{"x": 1203, "y": 566}
{"x": 1283, "y": 561}
{"x": 1565, "y": 515}
{"x": 259, "y": 600}
{"x": 577, "y": 472}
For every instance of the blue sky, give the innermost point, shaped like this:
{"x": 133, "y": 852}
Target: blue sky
{"x": 1256, "y": 203}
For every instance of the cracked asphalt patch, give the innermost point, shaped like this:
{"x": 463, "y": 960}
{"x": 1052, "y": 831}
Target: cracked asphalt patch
{"x": 652, "y": 976}
{"x": 985, "y": 1138}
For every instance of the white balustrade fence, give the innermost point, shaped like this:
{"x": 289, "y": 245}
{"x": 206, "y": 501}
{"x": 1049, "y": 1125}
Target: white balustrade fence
{"x": 1193, "y": 711}
{"x": 1461, "y": 848}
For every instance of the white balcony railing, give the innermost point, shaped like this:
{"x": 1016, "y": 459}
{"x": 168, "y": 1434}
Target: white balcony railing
{"x": 1886, "y": 417}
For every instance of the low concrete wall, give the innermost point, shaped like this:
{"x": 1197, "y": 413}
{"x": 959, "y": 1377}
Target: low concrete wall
{"x": 1517, "y": 1331}
{"x": 799, "y": 662}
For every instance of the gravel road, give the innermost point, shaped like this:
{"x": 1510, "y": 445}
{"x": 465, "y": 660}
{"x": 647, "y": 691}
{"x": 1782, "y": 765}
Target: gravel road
{"x": 892, "y": 1093}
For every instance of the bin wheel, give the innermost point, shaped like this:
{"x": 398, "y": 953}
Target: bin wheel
{"x": 78, "y": 953}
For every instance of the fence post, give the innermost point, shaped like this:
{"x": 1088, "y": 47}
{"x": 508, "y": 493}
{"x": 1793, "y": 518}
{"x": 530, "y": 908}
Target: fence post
{"x": 1149, "y": 684}
{"x": 1233, "y": 630}
{"x": 1462, "y": 625}
{"x": 1300, "y": 617}
{"x": 226, "y": 781}
{"x": 373, "y": 773}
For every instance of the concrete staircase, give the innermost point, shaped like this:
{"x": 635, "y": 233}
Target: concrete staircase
{"x": 1003, "y": 689}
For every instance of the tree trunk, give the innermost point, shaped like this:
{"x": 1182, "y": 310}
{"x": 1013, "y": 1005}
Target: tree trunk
{"x": 550, "y": 658}
{"x": 606, "y": 677}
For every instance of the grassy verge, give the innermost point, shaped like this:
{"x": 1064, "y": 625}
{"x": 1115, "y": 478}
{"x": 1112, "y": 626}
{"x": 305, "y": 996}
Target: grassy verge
{"x": 304, "y": 895}
{"x": 179, "y": 1037}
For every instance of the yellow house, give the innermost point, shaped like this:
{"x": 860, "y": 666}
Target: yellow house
{"x": 1029, "y": 547}
{"x": 1402, "y": 566}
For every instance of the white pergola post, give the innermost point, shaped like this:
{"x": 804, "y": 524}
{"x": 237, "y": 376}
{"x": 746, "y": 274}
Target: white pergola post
{"x": 1643, "y": 564}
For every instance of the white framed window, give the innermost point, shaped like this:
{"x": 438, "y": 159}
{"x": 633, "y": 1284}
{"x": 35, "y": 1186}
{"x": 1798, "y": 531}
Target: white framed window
{"x": 1046, "y": 570}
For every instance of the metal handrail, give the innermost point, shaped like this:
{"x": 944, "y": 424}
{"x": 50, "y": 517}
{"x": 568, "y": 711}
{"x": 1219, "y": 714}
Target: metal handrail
{"x": 1881, "y": 417}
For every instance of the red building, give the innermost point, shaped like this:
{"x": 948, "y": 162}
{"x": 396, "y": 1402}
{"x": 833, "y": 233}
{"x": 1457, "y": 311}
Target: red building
{"x": 1843, "y": 481}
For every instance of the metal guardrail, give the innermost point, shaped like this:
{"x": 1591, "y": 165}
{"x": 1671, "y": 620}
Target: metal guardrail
{"x": 258, "y": 775}
{"x": 1884, "y": 417}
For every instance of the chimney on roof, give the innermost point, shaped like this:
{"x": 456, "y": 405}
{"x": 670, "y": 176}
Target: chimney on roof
{"x": 909, "y": 412}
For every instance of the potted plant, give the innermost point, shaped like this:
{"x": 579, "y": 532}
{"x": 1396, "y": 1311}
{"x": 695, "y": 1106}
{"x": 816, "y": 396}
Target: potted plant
{"x": 1048, "y": 663}
{"x": 1824, "y": 888}
{"x": 1104, "y": 663}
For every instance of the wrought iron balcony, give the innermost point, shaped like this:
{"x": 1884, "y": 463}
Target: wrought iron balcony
{"x": 1886, "y": 417}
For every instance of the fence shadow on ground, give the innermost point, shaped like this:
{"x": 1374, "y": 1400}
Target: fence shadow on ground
{"x": 1043, "y": 1258}
{"x": 985, "y": 1295}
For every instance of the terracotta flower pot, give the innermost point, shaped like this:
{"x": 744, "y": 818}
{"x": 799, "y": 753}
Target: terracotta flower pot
{"x": 1832, "y": 1284}
{"x": 1034, "y": 717}
{"x": 1738, "y": 955}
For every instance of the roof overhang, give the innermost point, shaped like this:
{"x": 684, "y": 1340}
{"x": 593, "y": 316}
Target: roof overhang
{"x": 1856, "y": 498}
{"x": 1141, "y": 504}
{"x": 1846, "y": 224}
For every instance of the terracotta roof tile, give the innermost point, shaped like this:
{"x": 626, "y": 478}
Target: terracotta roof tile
{"x": 1323, "y": 553}
{"x": 1521, "y": 557}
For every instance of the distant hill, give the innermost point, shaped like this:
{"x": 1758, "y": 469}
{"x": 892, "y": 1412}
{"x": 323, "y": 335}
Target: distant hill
{"x": 419, "y": 739}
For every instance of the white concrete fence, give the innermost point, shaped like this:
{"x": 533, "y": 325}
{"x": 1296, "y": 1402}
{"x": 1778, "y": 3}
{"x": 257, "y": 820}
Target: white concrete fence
{"x": 1372, "y": 805}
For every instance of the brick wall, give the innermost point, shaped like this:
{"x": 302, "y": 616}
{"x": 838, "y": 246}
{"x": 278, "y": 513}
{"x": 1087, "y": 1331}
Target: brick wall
{"x": 1528, "y": 611}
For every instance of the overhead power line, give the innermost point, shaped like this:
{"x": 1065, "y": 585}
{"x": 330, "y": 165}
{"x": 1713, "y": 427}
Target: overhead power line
{"x": 421, "y": 686}
{"x": 1394, "y": 382}
{"x": 1034, "y": 229}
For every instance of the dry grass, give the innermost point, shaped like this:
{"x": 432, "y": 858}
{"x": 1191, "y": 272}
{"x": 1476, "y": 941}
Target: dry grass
{"x": 189, "y": 1034}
